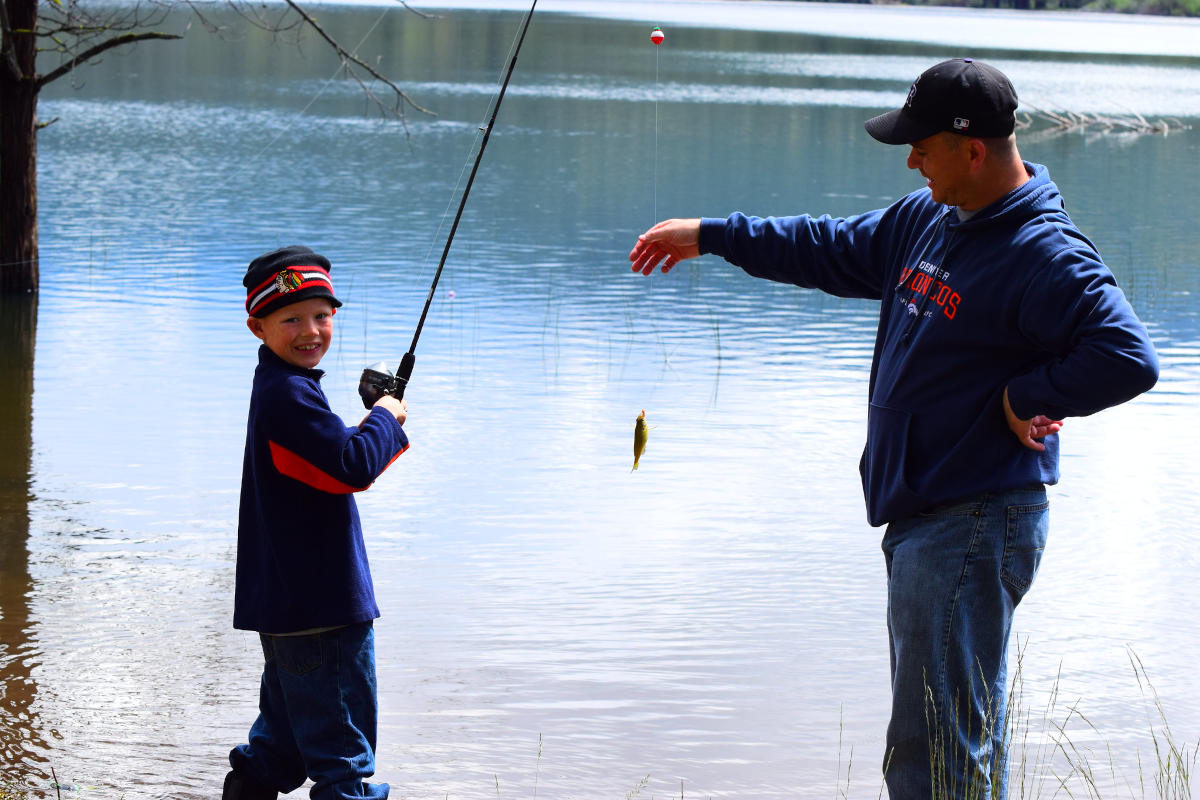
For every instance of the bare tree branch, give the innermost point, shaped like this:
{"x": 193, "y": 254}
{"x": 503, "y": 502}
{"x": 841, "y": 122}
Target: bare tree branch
{"x": 415, "y": 11}
{"x": 253, "y": 13}
{"x": 92, "y": 52}
{"x": 350, "y": 58}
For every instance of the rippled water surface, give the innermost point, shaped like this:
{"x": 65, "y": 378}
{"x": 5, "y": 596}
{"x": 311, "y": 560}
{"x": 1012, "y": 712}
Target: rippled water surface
{"x": 555, "y": 624}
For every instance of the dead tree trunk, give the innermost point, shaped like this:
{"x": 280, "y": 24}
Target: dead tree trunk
{"x": 18, "y": 150}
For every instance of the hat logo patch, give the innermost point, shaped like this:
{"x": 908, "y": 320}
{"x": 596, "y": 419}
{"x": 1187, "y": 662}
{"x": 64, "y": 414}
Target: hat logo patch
{"x": 911, "y": 93}
{"x": 961, "y": 124}
{"x": 287, "y": 281}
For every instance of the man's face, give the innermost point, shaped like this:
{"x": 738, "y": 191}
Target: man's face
{"x": 944, "y": 159}
{"x": 298, "y": 333}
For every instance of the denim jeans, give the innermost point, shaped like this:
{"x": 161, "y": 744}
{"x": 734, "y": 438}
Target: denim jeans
{"x": 317, "y": 716}
{"x": 955, "y": 575}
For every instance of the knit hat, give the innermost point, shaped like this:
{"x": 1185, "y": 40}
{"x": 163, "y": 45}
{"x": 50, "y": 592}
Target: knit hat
{"x": 960, "y": 96}
{"x": 285, "y": 276}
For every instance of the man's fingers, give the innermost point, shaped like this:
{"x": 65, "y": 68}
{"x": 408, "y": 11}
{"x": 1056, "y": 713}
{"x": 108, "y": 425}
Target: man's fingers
{"x": 646, "y": 264}
{"x": 1040, "y": 427}
{"x": 646, "y": 256}
{"x": 639, "y": 248}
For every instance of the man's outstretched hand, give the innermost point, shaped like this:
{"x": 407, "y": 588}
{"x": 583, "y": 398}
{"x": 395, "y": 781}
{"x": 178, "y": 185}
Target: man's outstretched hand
{"x": 668, "y": 242}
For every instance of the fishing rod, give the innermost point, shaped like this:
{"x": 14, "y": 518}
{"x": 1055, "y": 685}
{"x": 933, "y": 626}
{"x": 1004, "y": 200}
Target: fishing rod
{"x": 377, "y": 380}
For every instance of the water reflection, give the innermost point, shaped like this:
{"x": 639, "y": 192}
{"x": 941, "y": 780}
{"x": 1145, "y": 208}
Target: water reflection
{"x": 21, "y": 728}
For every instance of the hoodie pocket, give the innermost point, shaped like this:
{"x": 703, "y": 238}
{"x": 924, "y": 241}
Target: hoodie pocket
{"x": 884, "y": 466}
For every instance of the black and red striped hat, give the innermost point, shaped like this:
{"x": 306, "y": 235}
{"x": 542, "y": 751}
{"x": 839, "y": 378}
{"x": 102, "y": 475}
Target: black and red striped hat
{"x": 285, "y": 276}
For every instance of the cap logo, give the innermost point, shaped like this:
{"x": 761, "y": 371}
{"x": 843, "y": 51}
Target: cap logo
{"x": 303, "y": 280}
{"x": 961, "y": 124}
{"x": 287, "y": 281}
{"x": 912, "y": 91}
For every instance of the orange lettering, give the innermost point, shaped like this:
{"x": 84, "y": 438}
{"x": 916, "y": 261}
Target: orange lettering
{"x": 952, "y": 305}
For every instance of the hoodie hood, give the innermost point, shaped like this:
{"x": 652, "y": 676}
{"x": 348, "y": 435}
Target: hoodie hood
{"x": 1038, "y": 195}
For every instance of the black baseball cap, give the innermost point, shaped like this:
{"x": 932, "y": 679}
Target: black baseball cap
{"x": 961, "y": 95}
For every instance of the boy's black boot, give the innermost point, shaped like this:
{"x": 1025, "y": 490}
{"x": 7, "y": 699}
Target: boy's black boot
{"x": 239, "y": 787}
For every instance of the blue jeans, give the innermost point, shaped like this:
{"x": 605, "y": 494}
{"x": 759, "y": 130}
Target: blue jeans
{"x": 955, "y": 575}
{"x": 317, "y": 716}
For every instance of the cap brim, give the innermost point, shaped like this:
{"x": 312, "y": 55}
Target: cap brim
{"x": 899, "y": 127}
{"x": 298, "y": 296}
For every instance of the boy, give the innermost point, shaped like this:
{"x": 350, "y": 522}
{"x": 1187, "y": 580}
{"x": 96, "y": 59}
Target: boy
{"x": 303, "y": 582}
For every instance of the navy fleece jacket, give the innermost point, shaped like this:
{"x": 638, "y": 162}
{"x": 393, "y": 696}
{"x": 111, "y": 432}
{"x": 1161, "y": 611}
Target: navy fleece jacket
{"x": 1013, "y": 297}
{"x": 301, "y": 562}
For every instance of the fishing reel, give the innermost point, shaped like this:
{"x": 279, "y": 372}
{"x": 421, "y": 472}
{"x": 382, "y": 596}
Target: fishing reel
{"x": 377, "y": 380}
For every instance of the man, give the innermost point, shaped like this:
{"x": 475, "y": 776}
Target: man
{"x": 998, "y": 319}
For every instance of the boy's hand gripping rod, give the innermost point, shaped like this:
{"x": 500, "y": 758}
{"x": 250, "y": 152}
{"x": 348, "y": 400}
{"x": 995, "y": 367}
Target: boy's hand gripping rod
{"x": 376, "y": 381}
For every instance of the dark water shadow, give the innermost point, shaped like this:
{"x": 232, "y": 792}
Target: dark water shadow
{"x": 22, "y": 750}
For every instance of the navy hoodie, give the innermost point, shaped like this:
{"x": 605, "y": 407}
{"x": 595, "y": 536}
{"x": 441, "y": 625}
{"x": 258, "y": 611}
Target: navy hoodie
{"x": 1013, "y": 297}
{"x": 301, "y": 561}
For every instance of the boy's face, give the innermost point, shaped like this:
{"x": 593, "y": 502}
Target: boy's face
{"x": 298, "y": 333}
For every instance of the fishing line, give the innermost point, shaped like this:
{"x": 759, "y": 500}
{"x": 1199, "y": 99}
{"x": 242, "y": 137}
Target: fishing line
{"x": 657, "y": 96}
{"x": 480, "y": 127}
{"x": 325, "y": 85}
{"x": 483, "y": 142}
{"x": 656, "y": 38}
{"x": 375, "y": 382}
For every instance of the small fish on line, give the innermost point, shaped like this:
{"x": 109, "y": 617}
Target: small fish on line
{"x": 640, "y": 434}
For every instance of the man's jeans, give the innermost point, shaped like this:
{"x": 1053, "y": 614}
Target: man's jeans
{"x": 317, "y": 716}
{"x": 955, "y": 575}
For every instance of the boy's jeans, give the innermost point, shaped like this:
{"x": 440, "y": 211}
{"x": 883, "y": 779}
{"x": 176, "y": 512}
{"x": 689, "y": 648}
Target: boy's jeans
{"x": 317, "y": 716}
{"x": 955, "y": 575}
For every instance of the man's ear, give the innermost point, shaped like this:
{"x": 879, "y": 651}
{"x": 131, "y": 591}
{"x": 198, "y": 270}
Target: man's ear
{"x": 255, "y": 325}
{"x": 977, "y": 151}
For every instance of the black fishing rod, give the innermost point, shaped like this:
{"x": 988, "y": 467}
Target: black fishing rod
{"x": 377, "y": 381}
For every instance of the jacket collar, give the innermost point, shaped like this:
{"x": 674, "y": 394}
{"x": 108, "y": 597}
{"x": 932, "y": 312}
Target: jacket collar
{"x": 267, "y": 358}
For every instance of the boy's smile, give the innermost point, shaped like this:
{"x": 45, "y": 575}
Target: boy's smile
{"x": 299, "y": 333}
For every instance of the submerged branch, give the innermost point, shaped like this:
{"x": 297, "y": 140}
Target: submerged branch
{"x": 1075, "y": 121}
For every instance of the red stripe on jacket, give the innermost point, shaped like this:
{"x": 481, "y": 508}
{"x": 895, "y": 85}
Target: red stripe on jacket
{"x": 303, "y": 470}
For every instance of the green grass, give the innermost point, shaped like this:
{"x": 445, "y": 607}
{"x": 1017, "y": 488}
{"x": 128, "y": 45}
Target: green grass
{"x": 1049, "y": 755}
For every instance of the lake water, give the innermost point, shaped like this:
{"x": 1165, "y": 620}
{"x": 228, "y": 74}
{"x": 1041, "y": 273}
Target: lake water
{"x": 554, "y": 624}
